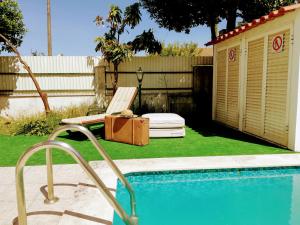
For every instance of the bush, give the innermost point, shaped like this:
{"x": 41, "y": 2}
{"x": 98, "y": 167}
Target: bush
{"x": 38, "y": 128}
{"x": 39, "y": 124}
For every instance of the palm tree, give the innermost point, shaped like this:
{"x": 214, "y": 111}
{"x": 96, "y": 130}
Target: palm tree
{"x": 112, "y": 49}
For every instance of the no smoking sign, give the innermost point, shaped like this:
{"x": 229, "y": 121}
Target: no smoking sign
{"x": 278, "y": 43}
{"x": 232, "y": 55}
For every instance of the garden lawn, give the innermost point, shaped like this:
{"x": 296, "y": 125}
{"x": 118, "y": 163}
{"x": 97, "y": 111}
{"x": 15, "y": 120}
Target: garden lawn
{"x": 200, "y": 142}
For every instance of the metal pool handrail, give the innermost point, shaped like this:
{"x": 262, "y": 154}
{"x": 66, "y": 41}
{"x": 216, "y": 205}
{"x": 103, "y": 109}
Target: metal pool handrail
{"x": 22, "y": 215}
{"x": 101, "y": 151}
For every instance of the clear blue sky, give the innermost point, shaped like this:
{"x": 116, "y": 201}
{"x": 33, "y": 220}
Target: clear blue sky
{"x": 73, "y": 29}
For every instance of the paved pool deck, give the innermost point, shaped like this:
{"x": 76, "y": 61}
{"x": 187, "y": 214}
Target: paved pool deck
{"x": 81, "y": 203}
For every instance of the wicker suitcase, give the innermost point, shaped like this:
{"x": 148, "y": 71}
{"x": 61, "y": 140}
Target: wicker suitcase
{"x": 133, "y": 131}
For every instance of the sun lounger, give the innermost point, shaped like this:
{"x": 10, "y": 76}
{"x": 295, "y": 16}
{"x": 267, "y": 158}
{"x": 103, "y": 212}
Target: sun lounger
{"x": 122, "y": 100}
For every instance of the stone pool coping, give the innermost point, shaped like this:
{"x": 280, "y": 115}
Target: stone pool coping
{"x": 75, "y": 197}
{"x": 205, "y": 162}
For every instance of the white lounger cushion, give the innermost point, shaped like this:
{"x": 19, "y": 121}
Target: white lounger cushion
{"x": 164, "y": 120}
{"x": 169, "y": 132}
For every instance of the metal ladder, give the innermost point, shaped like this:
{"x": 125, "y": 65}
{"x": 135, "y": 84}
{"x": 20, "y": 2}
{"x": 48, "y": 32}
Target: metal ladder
{"x": 131, "y": 219}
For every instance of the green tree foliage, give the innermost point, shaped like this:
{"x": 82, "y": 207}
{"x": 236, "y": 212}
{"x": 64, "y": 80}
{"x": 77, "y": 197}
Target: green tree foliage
{"x": 182, "y": 15}
{"x": 254, "y": 9}
{"x": 117, "y": 22}
{"x": 11, "y": 24}
{"x": 177, "y": 49}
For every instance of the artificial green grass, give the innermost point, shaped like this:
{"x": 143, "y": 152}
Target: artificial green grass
{"x": 210, "y": 141}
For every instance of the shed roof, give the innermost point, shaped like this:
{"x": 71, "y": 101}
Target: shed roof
{"x": 257, "y": 22}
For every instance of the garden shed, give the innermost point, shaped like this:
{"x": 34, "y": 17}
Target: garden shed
{"x": 256, "y": 77}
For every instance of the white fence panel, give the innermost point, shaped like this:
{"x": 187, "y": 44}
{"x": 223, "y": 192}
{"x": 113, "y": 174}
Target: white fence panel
{"x": 50, "y": 64}
{"x": 23, "y": 82}
{"x": 54, "y": 73}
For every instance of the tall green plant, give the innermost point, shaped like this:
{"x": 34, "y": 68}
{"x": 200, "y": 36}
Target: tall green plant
{"x": 117, "y": 24}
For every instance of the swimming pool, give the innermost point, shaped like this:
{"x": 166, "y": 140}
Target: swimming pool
{"x": 263, "y": 196}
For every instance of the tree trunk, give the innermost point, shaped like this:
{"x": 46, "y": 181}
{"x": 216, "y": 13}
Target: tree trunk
{"x": 43, "y": 95}
{"x": 231, "y": 15}
{"x": 231, "y": 20}
{"x": 115, "y": 79}
{"x": 214, "y": 30}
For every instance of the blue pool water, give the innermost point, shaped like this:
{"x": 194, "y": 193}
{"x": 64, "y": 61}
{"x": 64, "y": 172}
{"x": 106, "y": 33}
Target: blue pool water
{"x": 216, "y": 197}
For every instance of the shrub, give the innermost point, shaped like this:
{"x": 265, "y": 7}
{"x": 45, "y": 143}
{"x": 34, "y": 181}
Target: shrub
{"x": 39, "y": 124}
{"x": 38, "y": 128}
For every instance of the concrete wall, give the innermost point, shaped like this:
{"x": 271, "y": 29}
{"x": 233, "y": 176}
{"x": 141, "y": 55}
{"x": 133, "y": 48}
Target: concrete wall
{"x": 22, "y": 106}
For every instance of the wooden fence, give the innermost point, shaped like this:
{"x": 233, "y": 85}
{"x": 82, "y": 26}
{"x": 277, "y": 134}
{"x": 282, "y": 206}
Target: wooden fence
{"x": 160, "y": 73}
{"x": 169, "y": 84}
{"x": 77, "y": 79}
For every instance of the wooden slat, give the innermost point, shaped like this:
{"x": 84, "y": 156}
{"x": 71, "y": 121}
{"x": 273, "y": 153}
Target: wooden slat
{"x": 253, "y": 111}
{"x": 221, "y": 86}
{"x": 121, "y": 100}
{"x": 155, "y": 80}
{"x": 233, "y": 88}
{"x": 276, "y": 92}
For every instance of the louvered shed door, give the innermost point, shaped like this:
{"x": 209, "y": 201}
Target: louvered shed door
{"x": 233, "y": 86}
{"x": 253, "y": 112}
{"x": 221, "y": 86}
{"x": 276, "y": 91}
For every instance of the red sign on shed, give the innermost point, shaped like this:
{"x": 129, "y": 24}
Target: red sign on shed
{"x": 277, "y": 43}
{"x": 232, "y": 54}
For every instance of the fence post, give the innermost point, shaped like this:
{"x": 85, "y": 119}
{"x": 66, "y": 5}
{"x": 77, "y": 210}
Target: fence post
{"x": 100, "y": 86}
